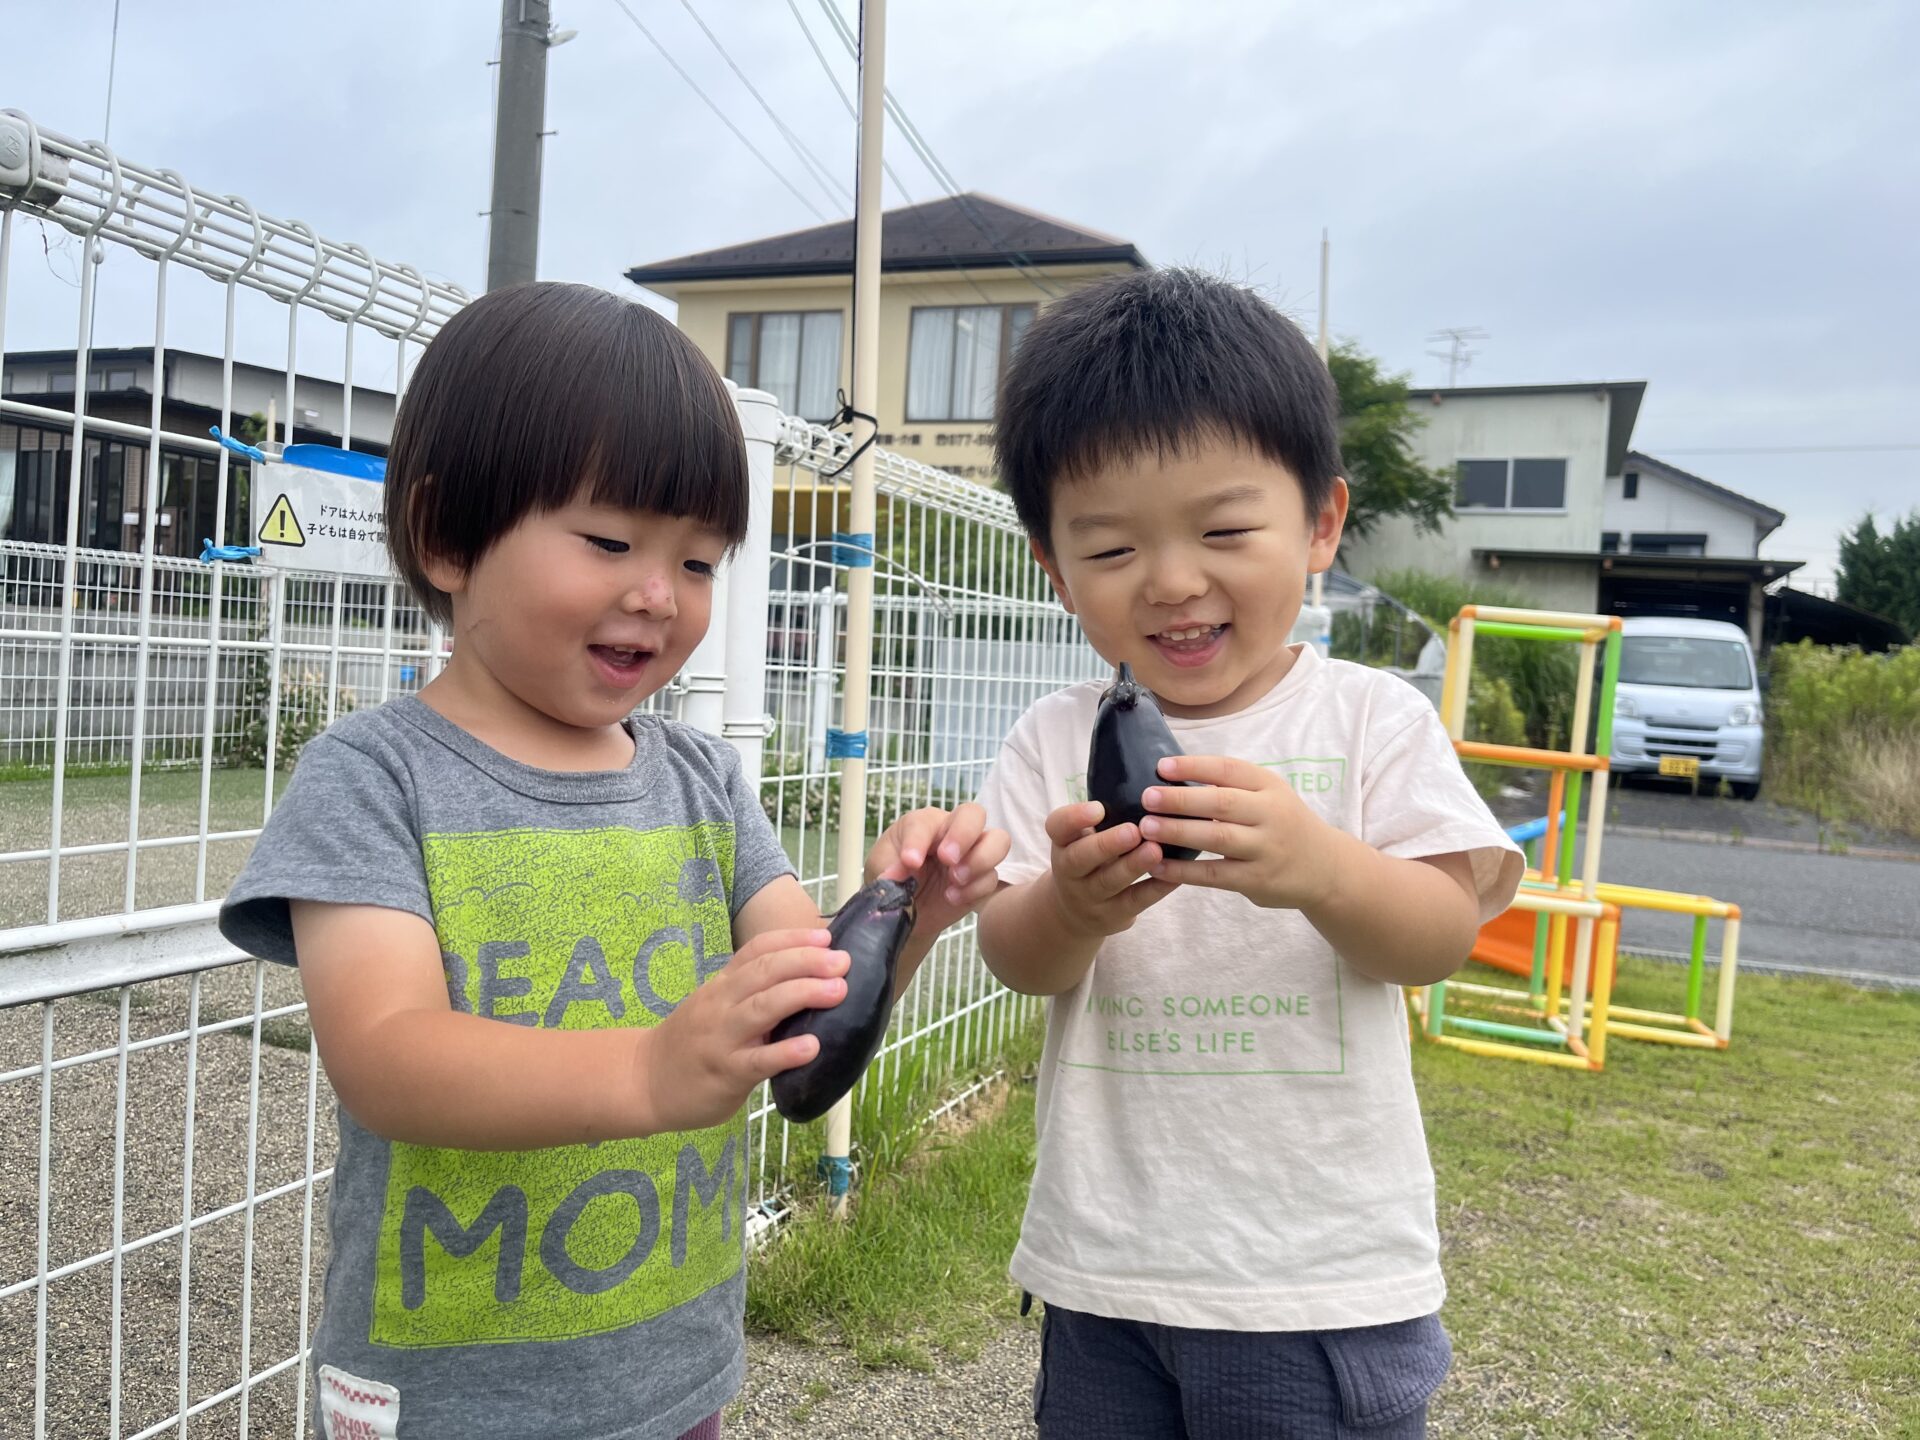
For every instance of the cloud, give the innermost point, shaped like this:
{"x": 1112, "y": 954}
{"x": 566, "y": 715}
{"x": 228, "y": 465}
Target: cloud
{"x": 1717, "y": 198}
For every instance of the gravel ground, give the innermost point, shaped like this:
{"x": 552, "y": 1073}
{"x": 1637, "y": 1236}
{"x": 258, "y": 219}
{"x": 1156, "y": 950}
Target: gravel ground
{"x": 80, "y": 1213}
{"x": 800, "y": 1392}
{"x": 94, "y": 811}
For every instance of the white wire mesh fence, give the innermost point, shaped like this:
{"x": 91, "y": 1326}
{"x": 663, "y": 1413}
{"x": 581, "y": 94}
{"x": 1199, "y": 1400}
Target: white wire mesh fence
{"x": 165, "y": 1126}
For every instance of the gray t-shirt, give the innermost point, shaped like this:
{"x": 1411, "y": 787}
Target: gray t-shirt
{"x": 585, "y": 1290}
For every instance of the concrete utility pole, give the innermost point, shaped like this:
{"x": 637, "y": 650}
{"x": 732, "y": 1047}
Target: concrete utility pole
{"x": 519, "y": 122}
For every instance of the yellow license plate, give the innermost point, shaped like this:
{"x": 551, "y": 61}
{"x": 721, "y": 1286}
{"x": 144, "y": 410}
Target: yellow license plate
{"x": 1686, "y": 767}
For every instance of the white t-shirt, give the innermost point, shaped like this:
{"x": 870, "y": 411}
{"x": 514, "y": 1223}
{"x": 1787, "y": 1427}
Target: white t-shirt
{"x": 1229, "y": 1137}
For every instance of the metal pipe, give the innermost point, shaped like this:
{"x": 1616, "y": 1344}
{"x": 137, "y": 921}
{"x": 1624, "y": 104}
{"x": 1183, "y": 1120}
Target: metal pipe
{"x": 229, "y": 240}
{"x": 744, "y": 706}
{"x": 69, "y": 591}
{"x": 866, "y": 394}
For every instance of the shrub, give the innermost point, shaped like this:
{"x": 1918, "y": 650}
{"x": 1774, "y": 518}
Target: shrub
{"x": 1493, "y": 717}
{"x": 303, "y": 714}
{"x": 1843, "y": 733}
{"x": 1539, "y": 676}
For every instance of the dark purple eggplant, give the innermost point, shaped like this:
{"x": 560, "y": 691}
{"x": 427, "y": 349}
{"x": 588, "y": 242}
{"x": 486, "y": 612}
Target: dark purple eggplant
{"x": 871, "y": 927}
{"x": 1130, "y": 739}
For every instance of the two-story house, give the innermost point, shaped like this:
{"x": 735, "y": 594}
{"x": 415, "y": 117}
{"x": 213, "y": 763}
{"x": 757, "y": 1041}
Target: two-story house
{"x": 960, "y": 280}
{"x": 1551, "y": 499}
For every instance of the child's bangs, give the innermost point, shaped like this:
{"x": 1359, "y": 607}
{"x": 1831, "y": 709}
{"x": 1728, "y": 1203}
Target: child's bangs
{"x": 663, "y": 437}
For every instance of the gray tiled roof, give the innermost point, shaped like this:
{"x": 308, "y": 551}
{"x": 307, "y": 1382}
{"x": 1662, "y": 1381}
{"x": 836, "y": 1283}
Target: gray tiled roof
{"x": 973, "y": 230}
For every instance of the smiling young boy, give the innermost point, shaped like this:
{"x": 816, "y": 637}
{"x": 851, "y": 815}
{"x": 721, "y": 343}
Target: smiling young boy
{"x": 1231, "y": 1221}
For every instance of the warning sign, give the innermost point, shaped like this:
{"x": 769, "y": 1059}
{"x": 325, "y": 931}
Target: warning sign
{"x": 325, "y": 515}
{"x": 283, "y": 526}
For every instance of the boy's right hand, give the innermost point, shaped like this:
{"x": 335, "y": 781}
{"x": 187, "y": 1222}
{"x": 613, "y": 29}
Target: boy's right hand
{"x": 1097, "y": 885}
{"x": 698, "y": 1066}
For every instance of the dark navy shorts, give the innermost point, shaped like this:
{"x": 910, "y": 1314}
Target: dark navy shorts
{"x": 1103, "y": 1379}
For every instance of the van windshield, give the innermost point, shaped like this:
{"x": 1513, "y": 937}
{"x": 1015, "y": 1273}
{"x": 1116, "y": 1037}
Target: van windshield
{"x": 1685, "y": 662}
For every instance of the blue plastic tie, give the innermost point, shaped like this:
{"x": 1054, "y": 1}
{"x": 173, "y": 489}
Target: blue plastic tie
{"x": 239, "y": 447}
{"x": 210, "y": 552}
{"x": 853, "y": 548}
{"x": 837, "y": 1171}
{"x": 846, "y": 744}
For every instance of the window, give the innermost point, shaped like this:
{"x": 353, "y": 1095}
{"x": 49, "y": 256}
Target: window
{"x": 1511, "y": 485}
{"x": 793, "y": 354}
{"x": 955, "y": 357}
{"x": 1689, "y": 662}
{"x": 1668, "y": 545}
{"x": 40, "y": 473}
{"x": 1630, "y": 485}
{"x": 116, "y": 378}
{"x": 60, "y": 382}
{"x": 1610, "y": 542}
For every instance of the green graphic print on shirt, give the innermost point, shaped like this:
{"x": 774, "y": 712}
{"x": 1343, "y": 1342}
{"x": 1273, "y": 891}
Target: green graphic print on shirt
{"x": 572, "y": 930}
{"x": 1213, "y": 1029}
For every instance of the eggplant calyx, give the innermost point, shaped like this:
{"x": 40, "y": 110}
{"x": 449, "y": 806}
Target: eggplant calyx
{"x": 1125, "y": 692}
{"x": 892, "y": 896}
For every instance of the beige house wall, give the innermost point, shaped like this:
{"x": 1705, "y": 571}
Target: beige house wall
{"x": 962, "y": 447}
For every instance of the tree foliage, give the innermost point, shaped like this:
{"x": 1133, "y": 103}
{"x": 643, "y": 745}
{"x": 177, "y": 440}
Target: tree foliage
{"x": 1377, "y": 425}
{"x": 1881, "y": 572}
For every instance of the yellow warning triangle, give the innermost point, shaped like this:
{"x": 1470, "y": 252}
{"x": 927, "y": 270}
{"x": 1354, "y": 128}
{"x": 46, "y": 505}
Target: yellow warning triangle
{"x": 281, "y": 527}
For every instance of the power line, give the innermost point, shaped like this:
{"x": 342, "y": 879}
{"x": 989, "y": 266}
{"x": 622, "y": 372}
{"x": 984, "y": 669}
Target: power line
{"x": 887, "y": 165}
{"x": 739, "y": 134}
{"x": 841, "y": 90}
{"x": 1021, "y": 260}
{"x": 1792, "y": 449}
{"x": 807, "y": 157}
{"x": 113, "y": 62}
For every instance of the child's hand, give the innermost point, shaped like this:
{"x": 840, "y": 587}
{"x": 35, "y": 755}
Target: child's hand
{"x": 700, "y": 1063}
{"x": 1272, "y": 848}
{"x": 1095, "y": 872}
{"x": 952, "y": 856}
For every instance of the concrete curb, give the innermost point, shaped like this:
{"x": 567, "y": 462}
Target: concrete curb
{"x": 1754, "y": 842}
{"x": 1861, "y": 979}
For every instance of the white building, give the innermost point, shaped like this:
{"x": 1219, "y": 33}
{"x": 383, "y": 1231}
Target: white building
{"x": 1551, "y": 499}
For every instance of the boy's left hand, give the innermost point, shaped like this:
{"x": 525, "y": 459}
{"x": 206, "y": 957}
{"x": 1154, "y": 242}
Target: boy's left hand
{"x": 952, "y": 856}
{"x": 1272, "y": 848}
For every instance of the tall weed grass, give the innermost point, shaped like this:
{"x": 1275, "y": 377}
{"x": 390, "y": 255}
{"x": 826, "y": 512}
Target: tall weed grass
{"x": 1539, "y": 676}
{"x": 1843, "y": 734}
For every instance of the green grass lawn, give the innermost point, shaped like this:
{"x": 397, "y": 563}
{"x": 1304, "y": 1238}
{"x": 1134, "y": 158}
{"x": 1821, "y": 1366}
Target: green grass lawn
{"x": 1691, "y": 1244}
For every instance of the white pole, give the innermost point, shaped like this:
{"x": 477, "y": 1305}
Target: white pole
{"x": 866, "y": 392}
{"x": 820, "y": 686}
{"x": 1319, "y": 579}
{"x": 705, "y": 673}
{"x": 744, "y": 713}
{"x": 1325, "y": 253}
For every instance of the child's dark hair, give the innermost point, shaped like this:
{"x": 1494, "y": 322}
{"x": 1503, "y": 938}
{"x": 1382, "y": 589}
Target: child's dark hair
{"x": 534, "y": 395}
{"x": 1157, "y": 360}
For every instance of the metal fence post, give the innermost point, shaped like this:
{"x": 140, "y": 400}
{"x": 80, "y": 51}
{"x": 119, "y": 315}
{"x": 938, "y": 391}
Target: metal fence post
{"x": 749, "y": 578}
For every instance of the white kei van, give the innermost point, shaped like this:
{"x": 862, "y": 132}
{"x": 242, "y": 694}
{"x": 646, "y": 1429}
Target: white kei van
{"x": 1687, "y": 703}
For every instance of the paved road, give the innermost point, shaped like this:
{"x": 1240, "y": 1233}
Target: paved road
{"x": 1833, "y": 912}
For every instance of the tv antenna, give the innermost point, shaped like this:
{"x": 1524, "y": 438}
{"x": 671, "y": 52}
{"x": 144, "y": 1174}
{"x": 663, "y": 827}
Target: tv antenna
{"x": 1459, "y": 352}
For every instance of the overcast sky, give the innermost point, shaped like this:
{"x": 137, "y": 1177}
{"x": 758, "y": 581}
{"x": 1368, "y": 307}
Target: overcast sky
{"x": 1721, "y": 199}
